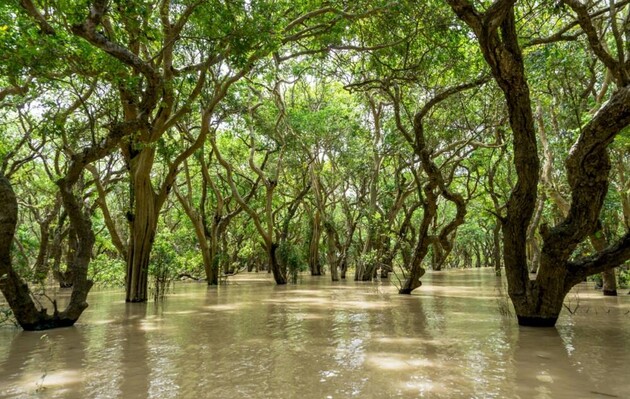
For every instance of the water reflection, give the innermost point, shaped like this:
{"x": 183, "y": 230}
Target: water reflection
{"x": 318, "y": 340}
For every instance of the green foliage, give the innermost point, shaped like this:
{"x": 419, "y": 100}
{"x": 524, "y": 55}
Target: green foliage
{"x": 107, "y": 271}
{"x": 163, "y": 264}
{"x": 623, "y": 278}
{"x": 7, "y": 317}
{"x": 293, "y": 258}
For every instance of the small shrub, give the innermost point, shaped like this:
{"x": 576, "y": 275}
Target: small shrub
{"x": 6, "y": 316}
{"x": 108, "y": 271}
{"x": 293, "y": 259}
{"x": 161, "y": 268}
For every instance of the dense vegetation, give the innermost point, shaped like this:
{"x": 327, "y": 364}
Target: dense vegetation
{"x": 151, "y": 140}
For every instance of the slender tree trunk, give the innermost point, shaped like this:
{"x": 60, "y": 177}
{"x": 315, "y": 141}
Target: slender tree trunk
{"x": 210, "y": 261}
{"x": 477, "y": 257}
{"x": 609, "y": 280}
{"x": 42, "y": 266}
{"x": 331, "y": 254}
{"x": 416, "y": 271}
{"x": 313, "y": 252}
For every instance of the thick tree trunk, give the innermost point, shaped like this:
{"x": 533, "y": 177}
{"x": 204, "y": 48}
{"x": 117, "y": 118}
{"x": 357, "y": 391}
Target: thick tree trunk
{"x": 343, "y": 266}
{"x": 143, "y": 227}
{"x": 609, "y": 281}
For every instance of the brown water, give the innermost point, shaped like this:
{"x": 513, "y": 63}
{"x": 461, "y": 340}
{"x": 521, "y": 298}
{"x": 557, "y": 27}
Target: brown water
{"x": 252, "y": 339}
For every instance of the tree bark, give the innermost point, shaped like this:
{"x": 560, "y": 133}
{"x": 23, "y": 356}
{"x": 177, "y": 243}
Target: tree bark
{"x": 496, "y": 249}
{"x": 609, "y": 280}
{"x": 331, "y": 254}
{"x": 313, "y": 248}
{"x": 142, "y": 225}
{"x": 278, "y": 270}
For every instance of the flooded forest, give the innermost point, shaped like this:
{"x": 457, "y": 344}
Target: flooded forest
{"x": 314, "y": 199}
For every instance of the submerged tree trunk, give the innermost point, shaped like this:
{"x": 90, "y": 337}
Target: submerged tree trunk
{"x": 496, "y": 249}
{"x": 278, "y": 270}
{"x": 142, "y": 225}
{"x": 416, "y": 270}
{"x": 332, "y": 257}
{"x": 313, "y": 248}
{"x": 609, "y": 280}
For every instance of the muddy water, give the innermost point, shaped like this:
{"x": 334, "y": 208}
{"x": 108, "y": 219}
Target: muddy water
{"x": 252, "y": 339}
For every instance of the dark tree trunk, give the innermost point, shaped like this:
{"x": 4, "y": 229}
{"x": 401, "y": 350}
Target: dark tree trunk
{"x": 65, "y": 277}
{"x": 331, "y": 254}
{"x": 332, "y": 239}
{"x": 16, "y": 291}
{"x": 279, "y": 271}
{"x": 313, "y": 249}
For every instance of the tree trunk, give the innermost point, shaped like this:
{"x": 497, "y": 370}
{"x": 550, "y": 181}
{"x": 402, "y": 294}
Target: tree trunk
{"x": 210, "y": 260}
{"x": 313, "y": 249}
{"x": 609, "y": 280}
{"x": 42, "y": 266}
{"x": 417, "y": 271}
{"x": 65, "y": 277}
{"x": 477, "y": 257}
{"x": 278, "y": 270}
{"x": 143, "y": 227}
{"x": 332, "y": 253}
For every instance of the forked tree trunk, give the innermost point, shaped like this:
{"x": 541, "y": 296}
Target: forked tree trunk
{"x": 16, "y": 291}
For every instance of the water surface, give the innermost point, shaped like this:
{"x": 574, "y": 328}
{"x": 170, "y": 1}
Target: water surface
{"x": 252, "y": 339}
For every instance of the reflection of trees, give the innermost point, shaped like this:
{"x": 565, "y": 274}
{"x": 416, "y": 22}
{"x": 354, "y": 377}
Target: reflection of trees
{"x": 544, "y": 369}
{"x": 133, "y": 365}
